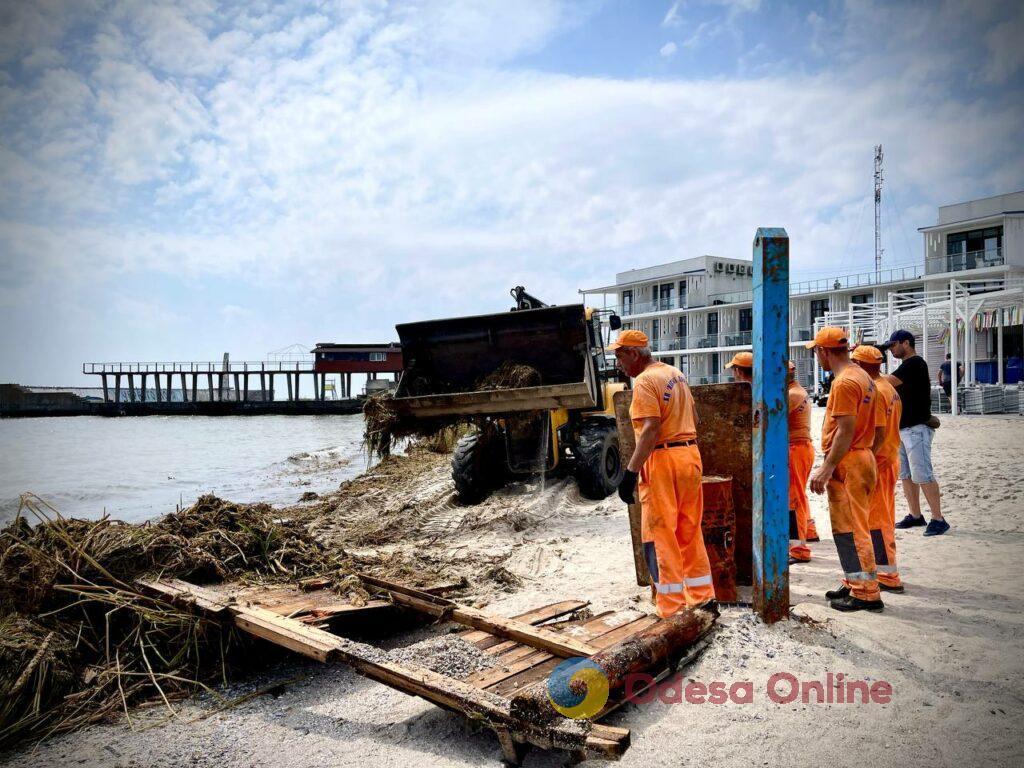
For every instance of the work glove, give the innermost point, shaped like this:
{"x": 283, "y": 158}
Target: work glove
{"x": 627, "y": 488}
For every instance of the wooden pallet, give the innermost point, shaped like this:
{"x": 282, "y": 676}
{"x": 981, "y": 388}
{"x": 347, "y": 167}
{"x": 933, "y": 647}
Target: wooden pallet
{"x": 526, "y": 648}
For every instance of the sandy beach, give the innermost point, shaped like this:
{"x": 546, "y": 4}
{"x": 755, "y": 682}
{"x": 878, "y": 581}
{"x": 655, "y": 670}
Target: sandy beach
{"x": 951, "y": 647}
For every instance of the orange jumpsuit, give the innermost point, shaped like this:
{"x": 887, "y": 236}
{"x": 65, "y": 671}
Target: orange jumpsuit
{"x": 801, "y": 460}
{"x": 882, "y": 521}
{"x": 849, "y": 488}
{"x": 671, "y": 497}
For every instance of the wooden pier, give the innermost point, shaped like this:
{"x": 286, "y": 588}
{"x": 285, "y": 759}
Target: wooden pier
{"x": 212, "y": 382}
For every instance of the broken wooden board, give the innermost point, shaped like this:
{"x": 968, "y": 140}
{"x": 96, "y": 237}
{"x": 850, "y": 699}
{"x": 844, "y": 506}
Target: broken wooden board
{"x": 320, "y": 607}
{"x": 724, "y": 430}
{"x": 538, "y": 637}
{"x": 483, "y": 696}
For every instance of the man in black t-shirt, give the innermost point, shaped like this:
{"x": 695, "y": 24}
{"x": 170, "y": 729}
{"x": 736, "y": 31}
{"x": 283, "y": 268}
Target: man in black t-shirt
{"x": 914, "y": 386}
{"x": 946, "y": 377}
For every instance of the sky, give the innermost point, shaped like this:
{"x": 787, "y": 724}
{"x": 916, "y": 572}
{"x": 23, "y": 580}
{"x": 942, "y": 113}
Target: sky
{"x": 182, "y": 179}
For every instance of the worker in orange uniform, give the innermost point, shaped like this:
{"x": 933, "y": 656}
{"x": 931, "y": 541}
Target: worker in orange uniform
{"x": 801, "y": 456}
{"x": 667, "y": 464}
{"x": 886, "y": 447}
{"x": 801, "y": 461}
{"x": 848, "y": 472}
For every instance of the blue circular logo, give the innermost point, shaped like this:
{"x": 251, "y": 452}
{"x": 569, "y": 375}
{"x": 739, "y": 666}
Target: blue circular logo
{"x": 578, "y": 688}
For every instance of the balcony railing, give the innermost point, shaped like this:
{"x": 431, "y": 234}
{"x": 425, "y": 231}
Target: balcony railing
{"x": 961, "y": 262}
{"x": 643, "y": 307}
{"x": 860, "y": 280}
{"x": 732, "y": 297}
{"x": 706, "y": 341}
{"x": 953, "y": 263}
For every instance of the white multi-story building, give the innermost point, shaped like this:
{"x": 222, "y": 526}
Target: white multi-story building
{"x": 698, "y": 311}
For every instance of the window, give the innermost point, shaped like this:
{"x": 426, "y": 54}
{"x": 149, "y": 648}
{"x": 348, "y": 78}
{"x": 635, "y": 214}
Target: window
{"x": 712, "y": 323}
{"x": 716, "y": 364}
{"x": 682, "y": 294}
{"x": 655, "y": 330}
{"x": 378, "y": 357}
{"x": 664, "y": 294}
{"x": 627, "y": 302}
{"x": 977, "y": 248}
{"x": 818, "y": 308}
{"x": 860, "y": 298}
{"x": 746, "y": 319}
{"x": 681, "y": 327}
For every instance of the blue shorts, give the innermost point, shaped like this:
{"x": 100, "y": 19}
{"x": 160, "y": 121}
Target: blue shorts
{"x": 916, "y": 454}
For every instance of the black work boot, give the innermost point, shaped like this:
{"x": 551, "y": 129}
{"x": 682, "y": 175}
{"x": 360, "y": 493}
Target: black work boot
{"x": 851, "y": 603}
{"x": 838, "y": 593}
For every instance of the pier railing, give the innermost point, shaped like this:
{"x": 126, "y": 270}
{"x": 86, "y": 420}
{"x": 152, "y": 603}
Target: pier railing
{"x": 234, "y": 366}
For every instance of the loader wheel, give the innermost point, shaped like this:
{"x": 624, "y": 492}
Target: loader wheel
{"x": 599, "y": 466}
{"x": 478, "y": 466}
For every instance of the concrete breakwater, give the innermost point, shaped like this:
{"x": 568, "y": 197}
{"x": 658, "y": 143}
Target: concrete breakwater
{"x": 18, "y": 401}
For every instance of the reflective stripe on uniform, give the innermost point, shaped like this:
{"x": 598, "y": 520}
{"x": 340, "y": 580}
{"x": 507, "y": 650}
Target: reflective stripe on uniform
{"x": 860, "y": 576}
{"x": 886, "y": 568}
{"x": 666, "y": 589}
{"x": 699, "y": 581}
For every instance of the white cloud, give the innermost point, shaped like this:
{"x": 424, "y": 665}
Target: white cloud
{"x": 668, "y": 50}
{"x": 672, "y": 18}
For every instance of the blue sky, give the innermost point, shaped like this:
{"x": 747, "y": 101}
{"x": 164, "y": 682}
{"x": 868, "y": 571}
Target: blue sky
{"x": 185, "y": 178}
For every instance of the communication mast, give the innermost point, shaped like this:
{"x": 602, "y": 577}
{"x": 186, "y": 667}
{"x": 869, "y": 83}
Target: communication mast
{"x": 878, "y": 211}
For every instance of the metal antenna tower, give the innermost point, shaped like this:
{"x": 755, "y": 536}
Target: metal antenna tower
{"x": 878, "y": 211}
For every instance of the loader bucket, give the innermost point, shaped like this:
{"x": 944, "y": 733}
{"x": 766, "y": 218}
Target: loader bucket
{"x": 445, "y": 360}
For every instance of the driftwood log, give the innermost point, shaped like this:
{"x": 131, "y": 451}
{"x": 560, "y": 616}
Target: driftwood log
{"x": 650, "y": 651}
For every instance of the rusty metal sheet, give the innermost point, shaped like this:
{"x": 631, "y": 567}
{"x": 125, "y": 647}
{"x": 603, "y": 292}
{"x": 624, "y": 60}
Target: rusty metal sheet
{"x": 725, "y": 421}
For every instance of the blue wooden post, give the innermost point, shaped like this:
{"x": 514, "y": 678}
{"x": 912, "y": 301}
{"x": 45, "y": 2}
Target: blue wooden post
{"x": 771, "y": 430}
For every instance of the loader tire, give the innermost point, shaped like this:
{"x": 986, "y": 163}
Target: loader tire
{"x": 599, "y": 467}
{"x": 477, "y": 467}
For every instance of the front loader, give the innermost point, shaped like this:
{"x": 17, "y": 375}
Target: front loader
{"x": 562, "y": 422}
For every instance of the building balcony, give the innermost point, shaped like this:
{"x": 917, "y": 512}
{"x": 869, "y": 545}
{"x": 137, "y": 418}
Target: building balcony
{"x": 696, "y": 342}
{"x": 646, "y": 307}
{"x": 962, "y": 262}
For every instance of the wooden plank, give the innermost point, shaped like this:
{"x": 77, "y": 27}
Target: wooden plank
{"x": 504, "y": 647}
{"x": 189, "y": 595}
{"x": 532, "y": 669}
{"x": 288, "y": 633}
{"x": 627, "y": 444}
{"x": 484, "y": 640}
{"x": 538, "y": 637}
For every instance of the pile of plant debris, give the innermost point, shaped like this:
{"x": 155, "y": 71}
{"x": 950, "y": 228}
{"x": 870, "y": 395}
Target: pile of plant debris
{"x": 81, "y": 641}
{"x": 384, "y": 427}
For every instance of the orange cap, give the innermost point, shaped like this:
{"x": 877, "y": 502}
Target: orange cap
{"x": 629, "y": 339}
{"x": 865, "y": 353}
{"x": 829, "y": 337}
{"x": 742, "y": 360}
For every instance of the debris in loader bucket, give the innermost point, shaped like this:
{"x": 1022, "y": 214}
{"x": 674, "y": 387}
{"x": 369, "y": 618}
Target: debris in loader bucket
{"x": 385, "y": 427}
{"x": 511, "y": 375}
